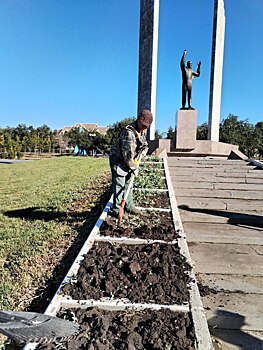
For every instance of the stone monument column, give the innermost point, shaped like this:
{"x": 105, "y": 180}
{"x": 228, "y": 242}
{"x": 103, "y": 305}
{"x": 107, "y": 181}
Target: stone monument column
{"x": 216, "y": 70}
{"x": 149, "y": 19}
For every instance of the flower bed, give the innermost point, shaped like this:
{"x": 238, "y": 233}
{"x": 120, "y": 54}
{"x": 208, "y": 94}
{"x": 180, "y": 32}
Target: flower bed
{"x": 152, "y": 273}
{"x": 160, "y": 228}
{"x": 132, "y": 288}
{"x": 151, "y": 199}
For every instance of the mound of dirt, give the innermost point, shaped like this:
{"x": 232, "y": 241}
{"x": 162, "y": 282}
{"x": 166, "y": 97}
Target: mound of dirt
{"x": 152, "y": 273}
{"x": 129, "y": 330}
{"x": 164, "y": 232}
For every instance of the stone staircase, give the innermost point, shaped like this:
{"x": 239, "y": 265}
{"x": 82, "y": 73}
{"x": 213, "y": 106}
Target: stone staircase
{"x": 221, "y": 207}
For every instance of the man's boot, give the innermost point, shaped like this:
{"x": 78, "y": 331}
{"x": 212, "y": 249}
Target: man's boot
{"x": 134, "y": 211}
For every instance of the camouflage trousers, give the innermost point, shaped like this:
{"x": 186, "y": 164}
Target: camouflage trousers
{"x": 119, "y": 186}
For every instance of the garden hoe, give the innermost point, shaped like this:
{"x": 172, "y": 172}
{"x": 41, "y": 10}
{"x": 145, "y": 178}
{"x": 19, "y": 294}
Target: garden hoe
{"x": 32, "y": 327}
{"x": 123, "y": 202}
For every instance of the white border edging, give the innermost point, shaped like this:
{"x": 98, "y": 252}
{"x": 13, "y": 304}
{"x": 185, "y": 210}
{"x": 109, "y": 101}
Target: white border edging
{"x": 52, "y": 308}
{"x": 120, "y": 304}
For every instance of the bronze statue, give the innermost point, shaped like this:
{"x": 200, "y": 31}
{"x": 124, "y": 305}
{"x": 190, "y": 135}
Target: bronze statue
{"x": 187, "y": 76}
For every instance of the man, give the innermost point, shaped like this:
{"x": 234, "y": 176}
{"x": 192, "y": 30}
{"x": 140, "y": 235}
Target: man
{"x": 131, "y": 141}
{"x": 187, "y": 76}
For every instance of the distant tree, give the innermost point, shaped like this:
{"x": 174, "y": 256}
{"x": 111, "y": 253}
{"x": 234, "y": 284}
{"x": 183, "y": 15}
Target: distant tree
{"x": 159, "y": 135}
{"x": 80, "y": 137}
{"x": 259, "y": 139}
{"x": 170, "y": 133}
{"x": 238, "y": 132}
{"x": 2, "y": 140}
{"x": 115, "y": 129}
{"x": 202, "y": 132}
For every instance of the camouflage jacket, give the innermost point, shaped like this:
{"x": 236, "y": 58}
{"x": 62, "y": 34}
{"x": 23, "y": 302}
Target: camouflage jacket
{"x": 128, "y": 145}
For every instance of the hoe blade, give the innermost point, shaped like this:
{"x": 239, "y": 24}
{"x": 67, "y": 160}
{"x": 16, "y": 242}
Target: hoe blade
{"x": 24, "y": 327}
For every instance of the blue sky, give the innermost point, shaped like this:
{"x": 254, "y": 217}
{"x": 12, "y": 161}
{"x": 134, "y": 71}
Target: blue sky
{"x": 69, "y": 61}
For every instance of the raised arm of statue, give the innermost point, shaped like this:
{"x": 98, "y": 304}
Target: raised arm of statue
{"x": 197, "y": 73}
{"x": 182, "y": 63}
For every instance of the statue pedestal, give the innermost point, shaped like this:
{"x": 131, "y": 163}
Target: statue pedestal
{"x": 186, "y": 129}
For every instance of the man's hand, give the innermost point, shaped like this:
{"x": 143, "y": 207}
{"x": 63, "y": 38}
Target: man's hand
{"x": 199, "y": 63}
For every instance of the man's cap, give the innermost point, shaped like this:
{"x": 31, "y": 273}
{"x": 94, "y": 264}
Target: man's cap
{"x": 146, "y": 117}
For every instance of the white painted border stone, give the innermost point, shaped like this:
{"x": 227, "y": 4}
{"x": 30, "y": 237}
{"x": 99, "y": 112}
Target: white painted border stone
{"x": 120, "y": 304}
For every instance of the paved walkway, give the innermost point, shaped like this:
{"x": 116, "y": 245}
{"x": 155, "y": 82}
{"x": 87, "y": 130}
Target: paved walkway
{"x": 221, "y": 208}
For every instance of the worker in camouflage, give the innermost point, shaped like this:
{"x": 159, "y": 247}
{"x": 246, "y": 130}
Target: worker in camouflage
{"x": 131, "y": 141}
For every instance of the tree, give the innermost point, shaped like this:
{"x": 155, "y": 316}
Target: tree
{"x": 202, "y": 132}
{"x": 170, "y": 133}
{"x": 259, "y": 138}
{"x": 238, "y": 132}
{"x": 115, "y": 129}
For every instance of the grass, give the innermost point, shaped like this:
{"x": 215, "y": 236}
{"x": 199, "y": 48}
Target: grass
{"x": 35, "y": 201}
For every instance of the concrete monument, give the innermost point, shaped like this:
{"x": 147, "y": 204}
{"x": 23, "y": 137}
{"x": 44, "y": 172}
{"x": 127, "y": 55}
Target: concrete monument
{"x": 149, "y": 20}
{"x": 187, "y": 117}
{"x": 216, "y": 70}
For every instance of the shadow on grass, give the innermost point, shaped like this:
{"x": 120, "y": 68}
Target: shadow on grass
{"x": 233, "y": 217}
{"x": 36, "y": 213}
{"x": 45, "y": 293}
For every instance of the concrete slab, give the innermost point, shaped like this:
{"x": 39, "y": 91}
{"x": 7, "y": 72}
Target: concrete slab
{"x": 259, "y": 251}
{"x": 218, "y": 185}
{"x": 172, "y": 161}
{"x": 231, "y": 204}
{"x": 245, "y": 187}
{"x": 232, "y": 283}
{"x": 255, "y": 174}
{"x": 206, "y": 193}
{"x": 177, "y": 179}
{"x": 222, "y": 233}
{"x": 226, "y": 259}
{"x": 211, "y": 170}
{"x": 253, "y": 180}
{"x": 191, "y": 185}
{"x": 217, "y": 193}
{"x": 221, "y": 216}
{"x": 203, "y": 203}
{"x": 234, "y": 311}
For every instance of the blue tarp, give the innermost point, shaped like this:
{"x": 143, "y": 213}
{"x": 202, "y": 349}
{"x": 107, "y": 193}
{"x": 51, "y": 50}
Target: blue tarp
{"x": 81, "y": 152}
{"x": 76, "y": 150}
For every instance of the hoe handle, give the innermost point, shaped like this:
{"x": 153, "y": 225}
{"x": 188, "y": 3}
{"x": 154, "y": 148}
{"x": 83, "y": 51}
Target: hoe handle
{"x": 123, "y": 202}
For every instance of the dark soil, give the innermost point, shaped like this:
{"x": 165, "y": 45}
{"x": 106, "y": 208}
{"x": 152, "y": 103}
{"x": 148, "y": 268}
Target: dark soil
{"x": 131, "y": 330}
{"x": 148, "y": 225}
{"x": 146, "y": 273}
{"x": 152, "y": 273}
{"x": 152, "y": 200}
{"x": 165, "y": 232}
{"x": 206, "y": 290}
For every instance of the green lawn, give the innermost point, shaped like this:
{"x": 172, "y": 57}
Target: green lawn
{"x": 37, "y": 201}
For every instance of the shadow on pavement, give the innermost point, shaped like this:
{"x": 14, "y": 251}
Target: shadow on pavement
{"x": 233, "y": 218}
{"x": 236, "y": 336}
